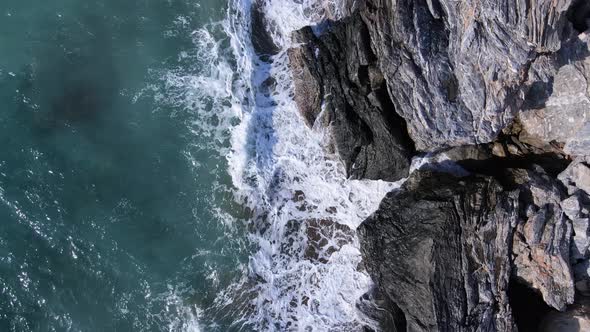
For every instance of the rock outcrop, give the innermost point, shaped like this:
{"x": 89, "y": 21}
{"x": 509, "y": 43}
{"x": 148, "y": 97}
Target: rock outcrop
{"x": 455, "y": 69}
{"x": 440, "y": 249}
{"x": 445, "y": 248}
{"x": 541, "y": 246}
{"x": 495, "y": 94}
{"x": 557, "y": 108}
{"x": 339, "y": 87}
{"x": 457, "y": 72}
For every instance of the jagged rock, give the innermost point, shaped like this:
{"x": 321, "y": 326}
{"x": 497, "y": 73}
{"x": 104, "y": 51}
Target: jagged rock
{"x": 564, "y": 114}
{"x": 574, "y": 208}
{"x": 439, "y": 248}
{"x": 541, "y": 246}
{"x": 442, "y": 235}
{"x": 577, "y": 176}
{"x": 556, "y": 113}
{"x": 455, "y": 70}
{"x": 319, "y": 238}
{"x": 338, "y": 86}
{"x": 458, "y": 73}
{"x": 581, "y": 240}
{"x": 579, "y": 144}
{"x": 262, "y": 40}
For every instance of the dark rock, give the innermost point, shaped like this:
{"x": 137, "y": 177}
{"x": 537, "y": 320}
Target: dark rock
{"x": 440, "y": 249}
{"x": 308, "y": 84}
{"x": 579, "y": 15}
{"x": 339, "y": 86}
{"x": 262, "y": 40}
{"x": 443, "y": 248}
{"x": 319, "y": 238}
{"x": 380, "y": 308}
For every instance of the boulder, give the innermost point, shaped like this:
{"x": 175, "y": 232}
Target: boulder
{"x": 564, "y": 115}
{"x": 439, "y": 248}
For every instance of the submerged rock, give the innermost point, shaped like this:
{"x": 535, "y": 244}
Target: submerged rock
{"x": 261, "y": 37}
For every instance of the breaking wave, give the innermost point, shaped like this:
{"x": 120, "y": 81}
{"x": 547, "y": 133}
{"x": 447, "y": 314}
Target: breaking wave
{"x": 304, "y": 272}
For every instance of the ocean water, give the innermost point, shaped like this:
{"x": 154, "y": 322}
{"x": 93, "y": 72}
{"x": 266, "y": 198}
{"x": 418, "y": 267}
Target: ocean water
{"x": 155, "y": 174}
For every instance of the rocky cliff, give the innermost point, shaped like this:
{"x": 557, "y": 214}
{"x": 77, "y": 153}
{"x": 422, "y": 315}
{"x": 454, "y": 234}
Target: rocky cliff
{"x": 491, "y": 234}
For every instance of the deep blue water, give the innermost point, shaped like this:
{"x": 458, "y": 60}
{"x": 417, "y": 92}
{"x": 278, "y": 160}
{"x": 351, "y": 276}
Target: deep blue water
{"x": 116, "y": 209}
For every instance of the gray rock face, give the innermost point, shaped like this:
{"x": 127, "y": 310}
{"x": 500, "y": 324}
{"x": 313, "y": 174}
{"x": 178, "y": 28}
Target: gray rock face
{"x": 440, "y": 249}
{"x": 579, "y": 143}
{"x": 444, "y": 248}
{"x": 459, "y": 72}
{"x": 541, "y": 246}
{"x": 339, "y": 87}
{"x": 455, "y": 70}
{"x": 557, "y": 111}
{"x": 566, "y": 110}
{"x": 577, "y": 176}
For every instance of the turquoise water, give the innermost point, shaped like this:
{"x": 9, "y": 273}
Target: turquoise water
{"x": 116, "y": 209}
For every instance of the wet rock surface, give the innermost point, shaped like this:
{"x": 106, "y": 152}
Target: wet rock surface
{"x": 262, "y": 40}
{"x": 339, "y": 87}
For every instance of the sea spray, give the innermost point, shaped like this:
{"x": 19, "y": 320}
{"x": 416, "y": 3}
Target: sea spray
{"x": 305, "y": 274}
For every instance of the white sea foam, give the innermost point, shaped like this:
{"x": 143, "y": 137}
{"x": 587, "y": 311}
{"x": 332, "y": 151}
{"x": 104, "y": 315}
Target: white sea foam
{"x": 304, "y": 275}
